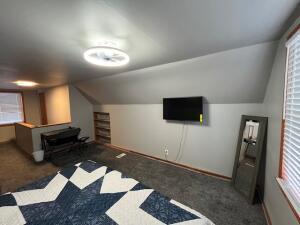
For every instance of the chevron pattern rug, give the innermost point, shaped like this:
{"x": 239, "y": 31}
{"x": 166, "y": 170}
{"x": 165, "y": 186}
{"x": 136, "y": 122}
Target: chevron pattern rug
{"x": 89, "y": 193}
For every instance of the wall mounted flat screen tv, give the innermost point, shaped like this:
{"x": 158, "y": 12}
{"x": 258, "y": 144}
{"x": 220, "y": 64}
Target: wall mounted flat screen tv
{"x": 185, "y": 109}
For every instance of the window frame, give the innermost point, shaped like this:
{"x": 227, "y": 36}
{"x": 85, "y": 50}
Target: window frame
{"x": 23, "y": 106}
{"x": 282, "y": 187}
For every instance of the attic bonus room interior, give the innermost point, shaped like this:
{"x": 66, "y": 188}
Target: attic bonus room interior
{"x": 136, "y": 112}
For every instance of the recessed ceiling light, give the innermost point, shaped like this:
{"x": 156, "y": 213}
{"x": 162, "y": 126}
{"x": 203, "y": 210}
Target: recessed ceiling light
{"x": 25, "y": 83}
{"x": 106, "y": 56}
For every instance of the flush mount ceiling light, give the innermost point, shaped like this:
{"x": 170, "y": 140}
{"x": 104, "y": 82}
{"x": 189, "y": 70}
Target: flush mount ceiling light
{"x": 25, "y": 83}
{"x": 106, "y": 56}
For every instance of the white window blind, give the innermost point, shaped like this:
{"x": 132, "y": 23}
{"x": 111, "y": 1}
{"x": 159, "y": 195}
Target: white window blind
{"x": 291, "y": 138}
{"x": 11, "y": 108}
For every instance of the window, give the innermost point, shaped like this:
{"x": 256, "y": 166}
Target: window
{"x": 290, "y": 158}
{"x": 11, "y": 108}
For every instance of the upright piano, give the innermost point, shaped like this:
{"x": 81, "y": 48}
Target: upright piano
{"x": 60, "y": 140}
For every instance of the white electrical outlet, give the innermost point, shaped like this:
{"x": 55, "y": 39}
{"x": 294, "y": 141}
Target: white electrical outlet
{"x": 166, "y": 151}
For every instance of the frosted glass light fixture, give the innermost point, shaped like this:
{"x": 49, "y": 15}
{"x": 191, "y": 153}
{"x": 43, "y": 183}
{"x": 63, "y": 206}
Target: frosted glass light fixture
{"x": 106, "y": 56}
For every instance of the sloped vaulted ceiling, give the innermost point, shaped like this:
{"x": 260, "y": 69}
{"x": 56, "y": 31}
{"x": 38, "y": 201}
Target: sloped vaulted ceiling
{"x": 43, "y": 40}
{"x": 233, "y": 76}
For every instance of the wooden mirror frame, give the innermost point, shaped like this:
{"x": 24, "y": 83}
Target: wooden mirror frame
{"x": 261, "y": 151}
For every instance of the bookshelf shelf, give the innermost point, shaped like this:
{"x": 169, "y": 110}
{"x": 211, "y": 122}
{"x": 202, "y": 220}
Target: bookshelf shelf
{"x": 102, "y": 127}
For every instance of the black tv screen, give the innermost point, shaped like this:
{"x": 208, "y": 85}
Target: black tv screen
{"x": 186, "y": 109}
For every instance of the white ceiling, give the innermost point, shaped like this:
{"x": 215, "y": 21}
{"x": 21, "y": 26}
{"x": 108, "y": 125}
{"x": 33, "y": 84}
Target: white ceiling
{"x": 43, "y": 40}
{"x": 233, "y": 76}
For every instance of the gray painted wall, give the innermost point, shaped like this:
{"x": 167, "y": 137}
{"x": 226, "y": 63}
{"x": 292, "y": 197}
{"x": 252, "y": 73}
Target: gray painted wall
{"x": 234, "y": 76}
{"x": 81, "y": 113}
{"x": 210, "y": 147}
{"x": 276, "y": 204}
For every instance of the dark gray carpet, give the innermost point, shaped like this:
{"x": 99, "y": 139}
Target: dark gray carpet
{"x": 212, "y": 197}
{"x": 18, "y": 169}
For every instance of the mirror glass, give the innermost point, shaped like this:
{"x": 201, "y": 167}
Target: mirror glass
{"x": 247, "y": 158}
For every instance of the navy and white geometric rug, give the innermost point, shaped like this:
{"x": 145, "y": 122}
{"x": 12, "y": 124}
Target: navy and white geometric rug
{"x": 89, "y": 193}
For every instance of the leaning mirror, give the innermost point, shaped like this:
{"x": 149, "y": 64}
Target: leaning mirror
{"x": 250, "y": 154}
